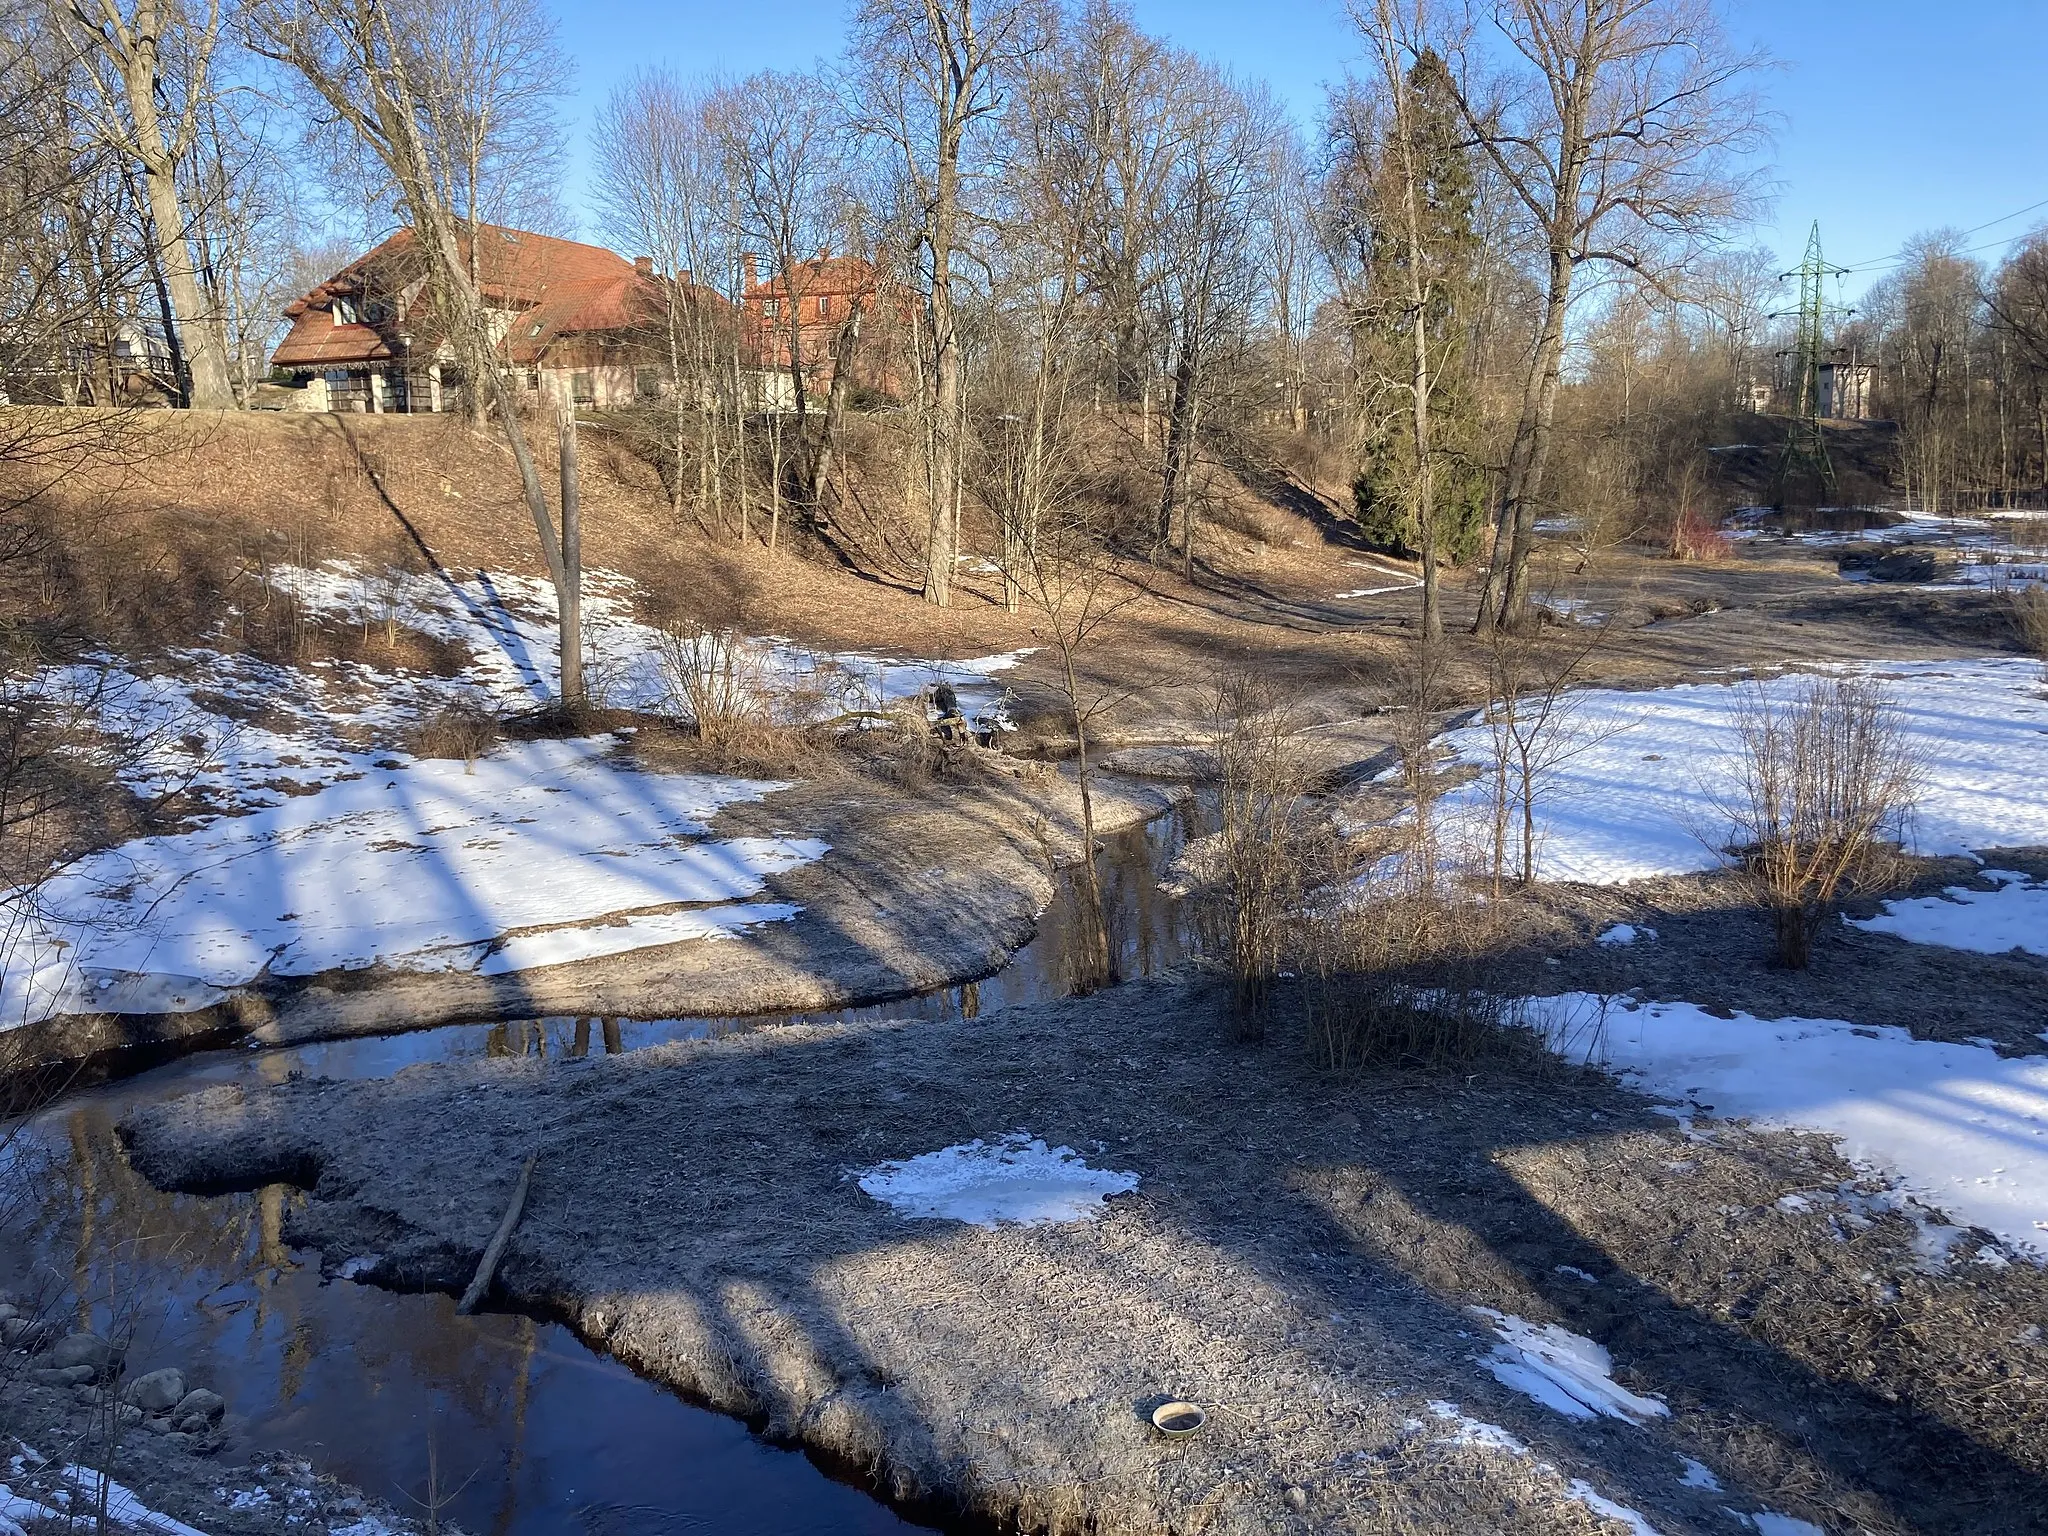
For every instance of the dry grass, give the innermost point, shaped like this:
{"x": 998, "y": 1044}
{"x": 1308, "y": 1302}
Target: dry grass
{"x": 2028, "y": 607}
{"x": 462, "y": 732}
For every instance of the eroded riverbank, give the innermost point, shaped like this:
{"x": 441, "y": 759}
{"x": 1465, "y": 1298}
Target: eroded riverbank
{"x": 1300, "y": 1253}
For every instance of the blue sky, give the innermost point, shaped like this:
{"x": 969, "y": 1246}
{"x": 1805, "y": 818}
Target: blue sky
{"x": 1896, "y": 115}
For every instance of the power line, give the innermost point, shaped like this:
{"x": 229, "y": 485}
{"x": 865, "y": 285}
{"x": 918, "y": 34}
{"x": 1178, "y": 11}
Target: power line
{"x": 1899, "y": 257}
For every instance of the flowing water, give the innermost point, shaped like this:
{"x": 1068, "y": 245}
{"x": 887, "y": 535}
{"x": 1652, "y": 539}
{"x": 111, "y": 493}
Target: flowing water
{"x": 512, "y": 1426}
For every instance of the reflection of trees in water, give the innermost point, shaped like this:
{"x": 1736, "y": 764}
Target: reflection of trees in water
{"x": 539, "y": 1037}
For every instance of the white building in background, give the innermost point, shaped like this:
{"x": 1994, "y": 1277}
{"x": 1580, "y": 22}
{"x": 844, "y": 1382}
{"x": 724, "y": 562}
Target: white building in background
{"x": 1845, "y": 390}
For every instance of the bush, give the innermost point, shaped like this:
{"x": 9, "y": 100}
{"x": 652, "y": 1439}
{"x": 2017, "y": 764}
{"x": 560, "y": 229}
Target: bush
{"x": 714, "y": 678}
{"x": 1827, "y": 782}
{"x": 464, "y": 731}
{"x": 2028, "y": 606}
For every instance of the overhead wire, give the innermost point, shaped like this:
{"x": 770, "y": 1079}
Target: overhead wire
{"x": 1898, "y": 258}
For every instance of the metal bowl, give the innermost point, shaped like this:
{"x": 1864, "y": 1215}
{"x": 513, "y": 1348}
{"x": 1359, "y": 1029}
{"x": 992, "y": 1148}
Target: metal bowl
{"x": 1178, "y": 1419}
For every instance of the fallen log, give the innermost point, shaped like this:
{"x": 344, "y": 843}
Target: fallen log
{"x": 488, "y": 1267}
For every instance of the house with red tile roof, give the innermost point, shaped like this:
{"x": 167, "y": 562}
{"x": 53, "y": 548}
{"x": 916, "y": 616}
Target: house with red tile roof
{"x": 577, "y": 323}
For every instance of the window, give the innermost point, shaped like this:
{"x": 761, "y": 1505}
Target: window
{"x": 824, "y": 305}
{"x": 345, "y": 312}
{"x": 768, "y": 308}
{"x": 581, "y": 390}
{"x": 646, "y": 383}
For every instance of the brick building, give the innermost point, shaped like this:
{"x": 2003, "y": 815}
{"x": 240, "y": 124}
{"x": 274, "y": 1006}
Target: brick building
{"x": 822, "y": 293}
{"x": 578, "y": 322}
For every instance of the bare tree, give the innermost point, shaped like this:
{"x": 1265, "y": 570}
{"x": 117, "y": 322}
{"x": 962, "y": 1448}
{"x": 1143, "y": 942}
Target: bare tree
{"x": 660, "y": 186}
{"x": 929, "y": 75}
{"x": 780, "y": 136}
{"x": 148, "y": 67}
{"x": 366, "y": 62}
{"x": 1614, "y": 124}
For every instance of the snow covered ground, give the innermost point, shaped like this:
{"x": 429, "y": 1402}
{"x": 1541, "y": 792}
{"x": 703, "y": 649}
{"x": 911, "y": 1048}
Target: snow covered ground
{"x": 1957, "y": 1127}
{"x": 1014, "y": 1179}
{"x": 324, "y": 847}
{"x": 2013, "y": 916}
{"x": 508, "y": 624}
{"x": 548, "y": 851}
{"x": 1637, "y": 796}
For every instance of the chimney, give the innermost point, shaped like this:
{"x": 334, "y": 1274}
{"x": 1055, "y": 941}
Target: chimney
{"x": 686, "y": 278}
{"x": 747, "y": 266}
{"x": 644, "y": 265}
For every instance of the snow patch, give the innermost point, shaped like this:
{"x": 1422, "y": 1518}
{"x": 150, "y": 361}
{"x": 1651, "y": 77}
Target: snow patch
{"x": 1479, "y": 1435}
{"x": 1638, "y": 799}
{"x": 547, "y": 851}
{"x": 1768, "y": 1523}
{"x": 1014, "y": 1179}
{"x": 1562, "y": 1371}
{"x": 1698, "y": 1475}
{"x": 1956, "y": 1126}
{"x": 2014, "y": 916}
{"x": 1624, "y": 933}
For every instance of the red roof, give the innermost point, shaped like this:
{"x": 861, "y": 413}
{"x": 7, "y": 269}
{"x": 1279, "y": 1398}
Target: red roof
{"x": 558, "y": 288}
{"x": 825, "y": 274}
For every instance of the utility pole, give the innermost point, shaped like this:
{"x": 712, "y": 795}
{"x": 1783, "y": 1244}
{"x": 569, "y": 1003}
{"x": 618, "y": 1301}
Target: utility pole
{"x": 1805, "y": 459}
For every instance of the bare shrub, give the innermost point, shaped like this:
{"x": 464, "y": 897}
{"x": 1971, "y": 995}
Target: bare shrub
{"x": 1826, "y": 782}
{"x": 1696, "y": 535}
{"x": 1275, "y": 842}
{"x": 2027, "y": 604}
{"x": 714, "y": 677}
{"x": 462, "y": 731}
{"x": 1537, "y": 726}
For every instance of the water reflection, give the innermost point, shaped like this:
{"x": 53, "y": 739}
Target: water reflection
{"x": 539, "y": 1434}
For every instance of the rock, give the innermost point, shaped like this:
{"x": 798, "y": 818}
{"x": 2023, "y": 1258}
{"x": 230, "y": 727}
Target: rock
{"x": 157, "y": 1392}
{"x": 63, "y": 1375}
{"x": 1296, "y": 1499}
{"x": 7, "y": 1310}
{"x": 81, "y": 1349}
{"x": 181, "y": 1441}
{"x": 200, "y": 1403}
{"x": 348, "y": 1504}
{"x": 127, "y": 1415}
{"x": 157, "y": 1424}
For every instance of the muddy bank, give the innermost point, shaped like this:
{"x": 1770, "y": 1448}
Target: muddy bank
{"x": 920, "y": 890}
{"x": 1299, "y": 1254}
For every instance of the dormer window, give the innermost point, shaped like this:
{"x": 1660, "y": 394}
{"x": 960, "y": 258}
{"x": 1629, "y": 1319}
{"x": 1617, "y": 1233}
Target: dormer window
{"x": 345, "y": 312}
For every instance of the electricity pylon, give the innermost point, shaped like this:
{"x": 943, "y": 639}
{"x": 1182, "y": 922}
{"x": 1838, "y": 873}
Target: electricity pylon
{"x": 1806, "y": 448}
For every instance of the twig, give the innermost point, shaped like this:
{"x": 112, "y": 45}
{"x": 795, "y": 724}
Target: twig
{"x": 489, "y": 1266}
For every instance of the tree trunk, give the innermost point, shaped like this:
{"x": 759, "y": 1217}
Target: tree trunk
{"x": 569, "y": 591}
{"x": 198, "y": 338}
{"x": 942, "y": 547}
{"x": 1505, "y": 597}
{"x": 843, "y": 348}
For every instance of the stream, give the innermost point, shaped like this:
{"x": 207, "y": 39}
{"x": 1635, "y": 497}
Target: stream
{"x": 511, "y": 1426}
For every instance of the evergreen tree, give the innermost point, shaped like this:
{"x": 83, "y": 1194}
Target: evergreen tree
{"x": 1451, "y": 246}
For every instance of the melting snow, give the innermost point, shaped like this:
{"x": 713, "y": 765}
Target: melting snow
{"x": 1624, "y": 933}
{"x": 1015, "y": 1179}
{"x": 1638, "y": 799}
{"x": 547, "y": 852}
{"x": 508, "y": 623}
{"x": 1769, "y": 1524}
{"x": 1480, "y": 1435}
{"x": 1562, "y": 1370}
{"x": 1698, "y": 1475}
{"x": 2014, "y": 916}
{"x": 1958, "y": 1126}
